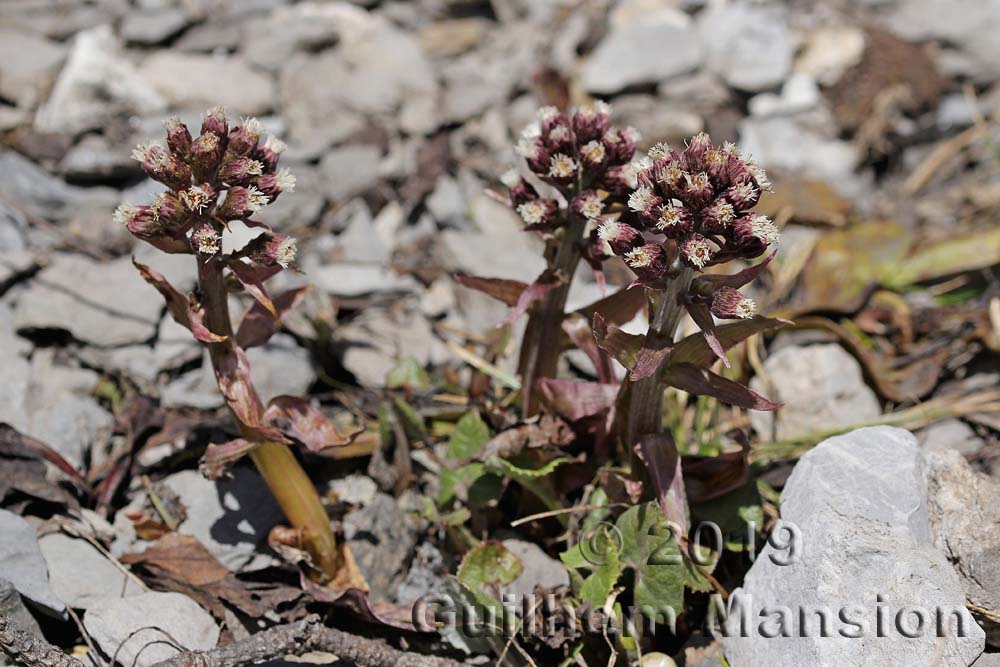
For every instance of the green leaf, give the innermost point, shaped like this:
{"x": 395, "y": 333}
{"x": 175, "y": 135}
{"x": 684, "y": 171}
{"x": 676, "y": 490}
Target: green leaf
{"x": 534, "y": 480}
{"x": 734, "y": 513}
{"x": 650, "y": 550}
{"x": 597, "y": 587}
{"x": 408, "y": 374}
{"x": 455, "y": 483}
{"x": 469, "y": 437}
{"x": 486, "y": 568}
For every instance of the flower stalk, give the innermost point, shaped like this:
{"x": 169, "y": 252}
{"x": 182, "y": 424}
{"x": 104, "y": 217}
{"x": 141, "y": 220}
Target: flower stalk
{"x": 225, "y": 175}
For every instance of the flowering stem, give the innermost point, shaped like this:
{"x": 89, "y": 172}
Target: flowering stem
{"x": 642, "y": 401}
{"x": 540, "y": 347}
{"x": 289, "y": 483}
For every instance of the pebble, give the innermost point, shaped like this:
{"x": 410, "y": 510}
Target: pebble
{"x": 964, "y": 511}
{"x": 656, "y": 48}
{"x": 22, "y": 563}
{"x": 748, "y": 45}
{"x": 830, "y": 51}
{"x": 146, "y": 629}
{"x": 67, "y": 557}
{"x": 230, "y": 517}
{"x": 96, "y": 84}
{"x": 28, "y": 65}
{"x": 204, "y": 81}
{"x": 820, "y": 386}
{"x": 349, "y": 170}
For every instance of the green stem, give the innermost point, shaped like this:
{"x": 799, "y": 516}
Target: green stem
{"x": 289, "y": 484}
{"x": 540, "y": 348}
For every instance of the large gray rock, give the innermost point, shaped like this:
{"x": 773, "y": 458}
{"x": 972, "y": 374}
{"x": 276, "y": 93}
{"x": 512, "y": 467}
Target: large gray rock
{"x": 101, "y": 304}
{"x": 22, "y": 563}
{"x": 660, "y": 46}
{"x": 749, "y": 45}
{"x": 821, "y": 388}
{"x": 36, "y": 192}
{"x": 863, "y": 551}
{"x": 146, "y": 629}
{"x": 54, "y": 404}
{"x": 230, "y": 517}
{"x": 965, "y": 523}
{"x": 67, "y": 557}
{"x": 28, "y": 65}
{"x": 199, "y": 81}
{"x": 96, "y": 84}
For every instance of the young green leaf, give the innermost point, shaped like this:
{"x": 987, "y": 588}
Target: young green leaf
{"x": 470, "y": 435}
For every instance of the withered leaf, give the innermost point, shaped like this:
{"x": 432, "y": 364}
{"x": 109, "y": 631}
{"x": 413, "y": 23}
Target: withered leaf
{"x": 184, "y": 310}
{"x": 180, "y": 563}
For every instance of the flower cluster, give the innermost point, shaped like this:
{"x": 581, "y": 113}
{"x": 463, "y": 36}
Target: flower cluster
{"x": 224, "y": 174}
{"x": 581, "y": 155}
{"x": 700, "y": 200}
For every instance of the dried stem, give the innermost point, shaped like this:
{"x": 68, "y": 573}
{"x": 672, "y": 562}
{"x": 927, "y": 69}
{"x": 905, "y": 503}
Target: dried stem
{"x": 641, "y": 402}
{"x": 540, "y": 347}
{"x": 309, "y": 634}
{"x": 289, "y": 483}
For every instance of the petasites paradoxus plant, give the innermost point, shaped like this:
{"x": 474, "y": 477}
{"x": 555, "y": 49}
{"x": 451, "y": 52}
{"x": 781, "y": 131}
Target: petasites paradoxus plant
{"x": 671, "y": 216}
{"x": 224, "y": 175}
{"x": 585, "y": 162}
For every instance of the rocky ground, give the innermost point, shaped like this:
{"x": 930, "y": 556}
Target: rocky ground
{"x": 876, "y": 119}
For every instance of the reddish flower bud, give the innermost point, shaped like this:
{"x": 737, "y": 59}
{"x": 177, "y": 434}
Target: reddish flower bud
{"x": 716, "y": 164}
{"x": 591, "y": 122}
{"x": 555, "y": 130}
{"x": 520, "y": 189}
{"x": 671, "y": 177}
{"x": 648, "y": 262}
{"x": 697, "y": 190}
{"x": 618, "y": 180}
{"x": 272, "y": 249}
{"x": 646, "y": 204}
{"x": 697, "y": 148}
{"x": 675, "y": 221}
{"x": 243, "y": 138}
{"x": 198, "y": 198}
{"x": 539, "y": 214}
{"x": 153, "y": 158}
{"x": 178, "y": 136}
{"x": 743, "y": 196}
{"x": 168, "y": 209}
{"x": 718, "y": 216}
{"x": 620, "y": 144}
{"x": 620, "y": 237}
{"x": 594, "y": 156}
{"x": 563, "y": 170}
{"x": 269, "y": 153}
{"x": 534, "y": 153}
{"x": 145, "y": 226}
{"x": 216, "y": 122}
{"x": 240, "y": 170}
{"x": 696, "y": 251}
{"x": 596, "y": 250}
{"x": 273, "y": 184}
{"x": 588, "y": 205}
{"x": 242, "y": 202}
{"x": 730, "y": 304}
{"x": 752, "y": 234}
{"x": 206, "y": 154}
{"x": 206, "y": 240}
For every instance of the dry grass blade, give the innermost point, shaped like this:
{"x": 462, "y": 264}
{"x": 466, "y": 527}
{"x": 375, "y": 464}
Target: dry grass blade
{"x": 914, "y": 417}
